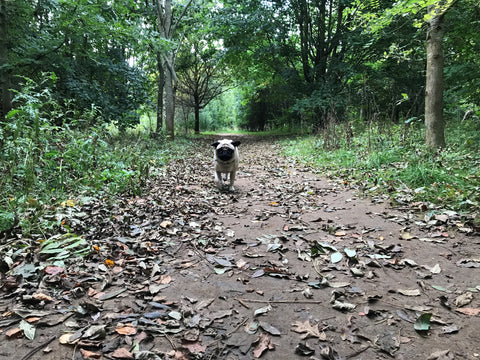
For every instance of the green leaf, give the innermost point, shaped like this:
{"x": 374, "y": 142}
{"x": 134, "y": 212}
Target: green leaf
{"x": 336, "y": 257}
{"x": 350, "y": 252}
{"x": 423, "y": 322}
{"x": 28, "y": 329}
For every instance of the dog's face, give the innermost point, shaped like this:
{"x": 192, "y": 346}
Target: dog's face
{"x": 225, "y": 149}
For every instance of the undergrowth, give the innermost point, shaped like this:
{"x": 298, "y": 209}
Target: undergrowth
{"x": 45, "y": 164}
{"x": 393, "y": 160}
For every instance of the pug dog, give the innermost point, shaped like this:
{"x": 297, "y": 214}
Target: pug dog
{"x": 226, "y": 159}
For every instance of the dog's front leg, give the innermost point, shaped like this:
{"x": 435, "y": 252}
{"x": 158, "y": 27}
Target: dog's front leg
{"x": 218, "y": 179}
{"x": 232, "y": 180}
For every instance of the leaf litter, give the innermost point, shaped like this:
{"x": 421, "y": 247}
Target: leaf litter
{"x": 176, "y": 273}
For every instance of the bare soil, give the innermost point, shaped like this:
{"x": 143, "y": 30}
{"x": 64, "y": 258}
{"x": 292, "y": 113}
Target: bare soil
{"x": 291, "y": 265}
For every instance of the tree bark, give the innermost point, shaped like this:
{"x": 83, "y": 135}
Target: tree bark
{"x": 434, "y": 122}
{"x": 5, "y": 74}
{"x": 161, "y": 85}
{"x": 170, "y": 90}
{"x": 197, "y": 119}
{"x": 167, "y": 27}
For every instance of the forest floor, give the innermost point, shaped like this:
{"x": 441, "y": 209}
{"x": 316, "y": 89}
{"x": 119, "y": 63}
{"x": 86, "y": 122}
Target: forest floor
{"x": 289, "y": 266}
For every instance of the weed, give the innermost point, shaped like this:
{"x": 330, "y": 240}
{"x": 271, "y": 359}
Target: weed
{"x": 46, "y": 162}
{"x": 396, "y": 161}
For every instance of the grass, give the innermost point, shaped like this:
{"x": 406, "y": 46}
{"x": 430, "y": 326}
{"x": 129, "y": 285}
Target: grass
{"x": 400, "y": 165}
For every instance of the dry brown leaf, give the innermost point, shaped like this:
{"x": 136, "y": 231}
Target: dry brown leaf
{"x": 469, "y": 311}
{"x": 165, "y": 224}
{"x": 122, "y": 353}
{"x": 90, "y": 354}
{"x": 165, "y": 279}
{"x": 263, "y": 343}
{"x": 180, "y": 355}
{"x": 126, "y": 329}
{"x": 42, "y": 297}
{"x": 308, "y": 329}
{"x": 194, "y": 347}
{"x": 14, "y": 333}
{"x": 65, "y": 339}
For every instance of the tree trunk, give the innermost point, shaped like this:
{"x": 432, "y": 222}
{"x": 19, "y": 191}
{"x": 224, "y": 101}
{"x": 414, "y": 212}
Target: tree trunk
{"x": 161, "y": 85}
{"x": 434, "y": 122}
{"x": 5, "y": 96}
{"x": 197, "y": 119}
{"x": 170, "y": 88}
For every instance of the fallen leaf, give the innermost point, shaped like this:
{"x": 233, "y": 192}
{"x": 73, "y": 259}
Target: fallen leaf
{"x": 262, "y": 310}
{"x": 308, "y": 330}
{"x": 409, "y": 292}
{"x": 304, "y": 349}
{"x": 14, "y": 333}
{"x": 165, "y": 279}
{"x": 165, "y": 224}
{"x": 463, "y": 299}
{"x": 126, "y": 330}
{"x": 65, "y": 339}
{"x": 263, "y": 343}
{"x": 122, "y": 353}
{"x": 336, "y": 257}
{"x": 423, "y": 322}
{"x": 53, "y": 270}
{"x": 90, "y": 354}
{"x": 28, "y": 329}
{"x": 407, "y": 236}
{"x": 194, "y": 347}
{"x": 269, "y": 328}
{"x": 441, "y": 355}
{"x": 343, "y": 306}
{"x": 440, "y": 288}
{"x": 42, "y": 297}
{"x": 436, "y": 269}
{"x": 469, "y": 311}
{"x": 351, "y": 253}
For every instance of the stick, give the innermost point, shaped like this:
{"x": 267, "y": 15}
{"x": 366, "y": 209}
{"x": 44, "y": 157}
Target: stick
{"x": 39, "y": 347}
{"x": 281, "y": 301}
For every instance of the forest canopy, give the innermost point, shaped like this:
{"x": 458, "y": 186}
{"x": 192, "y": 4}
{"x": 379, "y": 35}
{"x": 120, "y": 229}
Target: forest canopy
{"x": 251, "y": 64}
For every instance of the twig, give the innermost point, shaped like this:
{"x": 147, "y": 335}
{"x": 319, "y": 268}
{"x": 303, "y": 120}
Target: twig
{"x": 39, "y": 347}
{"x": 203, "y": 257}
{"x": 316, "y": 269}
{"x": 244, "y": 304}
{"x": 171, "y": 342}
{"x": 238, "y": 327}
{"x": 281, "y": 301}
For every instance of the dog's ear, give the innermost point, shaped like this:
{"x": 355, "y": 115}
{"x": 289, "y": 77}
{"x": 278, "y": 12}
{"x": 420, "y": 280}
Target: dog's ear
{"x": 215, "y": 143}
{"x": 236, "y": 143}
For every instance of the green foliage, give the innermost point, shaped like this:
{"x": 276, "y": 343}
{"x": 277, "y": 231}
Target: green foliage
{"x": 7, "y": 220}
{"x": 85, "y": 44}
{"x": 43, "y": 162}
{"x": 62, "y": 247}
{"x": 392, "y": 161}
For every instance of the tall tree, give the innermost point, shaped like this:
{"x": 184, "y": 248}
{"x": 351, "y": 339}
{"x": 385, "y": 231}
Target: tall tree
{"x": 5, "y": 98}
{"x": 434, "y": 122}
{"x": 167, "y": 26}
{"x": 202, "y": 79}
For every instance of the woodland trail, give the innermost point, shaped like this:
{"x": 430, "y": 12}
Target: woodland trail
{"x": 289, "y": 266}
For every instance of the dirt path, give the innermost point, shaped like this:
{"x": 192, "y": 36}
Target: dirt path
{"x": 289, "y": 266}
